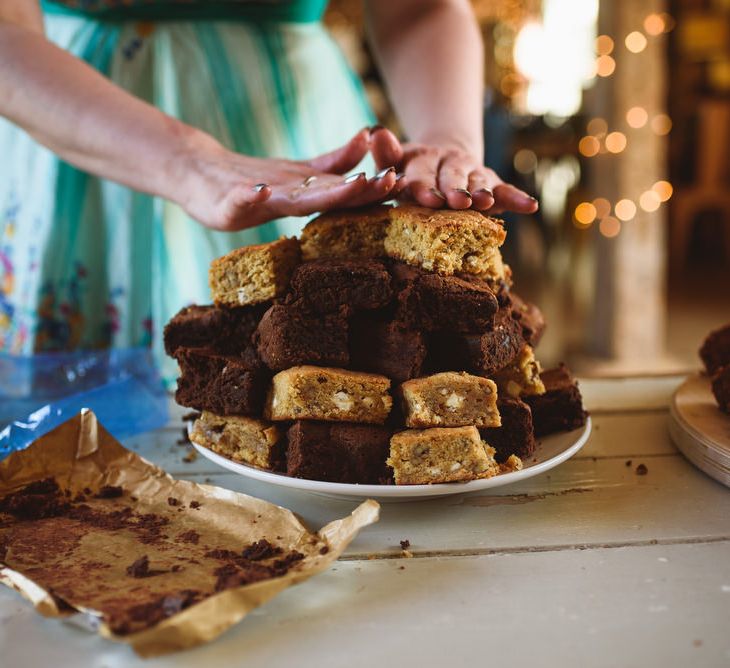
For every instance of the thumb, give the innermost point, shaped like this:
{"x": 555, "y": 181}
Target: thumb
{"x": 344, "y": 158}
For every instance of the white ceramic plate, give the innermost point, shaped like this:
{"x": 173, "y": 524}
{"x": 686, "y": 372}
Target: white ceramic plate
{"x": 700, "y": 429}
{"x": 550, "y": 452}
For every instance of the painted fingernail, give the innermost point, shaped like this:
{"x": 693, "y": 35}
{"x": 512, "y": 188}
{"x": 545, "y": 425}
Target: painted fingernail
{"x": 399, "y": 176}
{"x": 308, "y": 181}
{"x": 463, "y": 191}
{"x": 438, "y": 193}
{"x": 533, "y": 199}
{"x": 486, "y": 191}
{"x": 375, "y": 128}
{"x": 260, "y": 186}
{"x": 384, "y": 172}
{"x": 354, "y": 177}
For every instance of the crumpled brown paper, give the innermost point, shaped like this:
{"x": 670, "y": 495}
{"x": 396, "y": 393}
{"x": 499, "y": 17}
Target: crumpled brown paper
{"x": 70, "y": 570}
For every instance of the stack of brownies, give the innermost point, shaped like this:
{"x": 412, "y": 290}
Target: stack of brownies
{"x": 385, "y": 346}
{"x": 715, "y": 354}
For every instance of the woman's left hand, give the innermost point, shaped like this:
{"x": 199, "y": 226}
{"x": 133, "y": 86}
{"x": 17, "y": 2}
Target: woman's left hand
{"x": 446, "y": 175}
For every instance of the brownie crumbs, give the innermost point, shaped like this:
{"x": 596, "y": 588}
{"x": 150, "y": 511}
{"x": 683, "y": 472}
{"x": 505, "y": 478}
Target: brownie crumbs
{"x": 109, "y": 492}
{"x": 222, "y": 554}
{"x": 191, "y": 456}
{"x": 232, "y": 575}
{"x": 324, "y": 549}
{"x": 149, "y": 614}
{"x": 185, "y": 439}
{"x": 260, "y": 550}
{"x": 195, "y": 505}
{"x": 191, "y": 536}
{"x": 172, "y": 501}
{"x": 87, "y": 491}
{"x": 176, "y": 568}
{"x": 405, "y": 544}
{"x": 641, "y": 469}
{"x": 141, "y": 569}
{"x": 79, "y": 498}
{"x": 192, "y": 415}
{"x": 37, "y": 501}
{"x": 628, "y": 462}
{"x": 284, "y": 564}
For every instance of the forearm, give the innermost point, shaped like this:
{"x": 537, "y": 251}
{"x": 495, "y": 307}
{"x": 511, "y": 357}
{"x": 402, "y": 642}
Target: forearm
{"x": 431, "y": 55}
{"x": 84, "y": 118}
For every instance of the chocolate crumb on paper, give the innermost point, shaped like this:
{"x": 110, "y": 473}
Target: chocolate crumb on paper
{"x": 109, "y": 492}
{"x": 641, "y": 469}
{"x": 405, "y": 544}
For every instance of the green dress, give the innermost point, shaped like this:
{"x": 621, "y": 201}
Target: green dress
{"x": 86, "y": 263}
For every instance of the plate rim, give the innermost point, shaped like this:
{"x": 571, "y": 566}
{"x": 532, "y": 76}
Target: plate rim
{"x": 352, "y": 490}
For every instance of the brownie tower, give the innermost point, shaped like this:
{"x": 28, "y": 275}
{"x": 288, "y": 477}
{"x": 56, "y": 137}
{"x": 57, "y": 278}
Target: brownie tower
{"x": 386, "y": 345}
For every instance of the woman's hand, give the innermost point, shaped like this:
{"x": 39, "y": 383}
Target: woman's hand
{"x": 229, "y": 191}
{"x": 443, "y": 174}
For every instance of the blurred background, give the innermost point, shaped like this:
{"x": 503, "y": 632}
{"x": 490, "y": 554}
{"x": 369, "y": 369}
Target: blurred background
{"x": 616, "y": 115}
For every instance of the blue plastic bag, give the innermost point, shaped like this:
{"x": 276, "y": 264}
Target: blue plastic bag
{"x": 39, "y": 393}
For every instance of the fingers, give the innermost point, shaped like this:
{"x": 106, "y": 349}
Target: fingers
{"x": 481, "y": 186}
{"x": 453, "y": 181}
{"x": 385, "y": 148}
{"x": 422, "y": 174}
{"x": 509, "y": 198}
{"x": 345, "y": 157}
{"x": 236, "y": 206}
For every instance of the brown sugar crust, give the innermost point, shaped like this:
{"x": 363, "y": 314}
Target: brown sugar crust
{"x": 326, "y": 286}
{"x": 253, "y": 274}
{"x": 318, "y": 393}
{"x": 221, "y": 384}
{"x": 427, "y": 456}
{"x": 351, "y": 233}
{"x": 446, "y": 241}
{"x": 450, "y": 399}
{"x": 290, "y": 335}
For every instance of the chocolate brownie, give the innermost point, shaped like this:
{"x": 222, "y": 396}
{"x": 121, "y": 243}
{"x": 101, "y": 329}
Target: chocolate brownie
{"x": 715, "y": 351}
{"x": 387, "y": 348}
{"x": 221, "y": 384}
{"x": 516, "y": 435}
{"x": 431, "y": 302}
{"x": 561, "y": 407}
{"x": 290, "y": 335}
{"x": 223, "y": 330}
{"x": 338, "y": 452}
{"x": 481, "y": 354}
{"x": 530, "y": 318}
{"x": 721, "y": 387}
{"x": 326, "y": 285}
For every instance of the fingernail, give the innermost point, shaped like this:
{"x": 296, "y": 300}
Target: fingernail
{"x": 438, "y": 193}
{"x": 354, "y": 177}
{"x": 260, "y": 186}
{"x": 308, "y": 181}
{"x": 486, "y": 191}
{"x": 463, "y": 191}
{"x": 399, "y": 176}
{"x": 375, "y": 128}
{"x": 533, "y": 199}
{"x": 384, "y": 172}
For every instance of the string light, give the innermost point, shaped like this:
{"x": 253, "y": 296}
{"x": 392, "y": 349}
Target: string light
{"x": 602, "y": 206}
{"x": 604, "y": 45}
{"x": 597, "y": 127}
{"x": 637, "y": 117}
{"x": 649, "y": 201}
{"x": 609, "y": 227}
{"x": 589, "y": 146}
{"x": 605, "y": 65}
{"x": 616, "y": 142}
{"x": 525, "y": 161}
{"x": 584, "y": 214}
{"x": 625, "y": 209}
{"x": 635, "y": 41}
{"x": 663, "y": 189}
{"x": 661, "y": 124}
{"x": 654, "y": 24}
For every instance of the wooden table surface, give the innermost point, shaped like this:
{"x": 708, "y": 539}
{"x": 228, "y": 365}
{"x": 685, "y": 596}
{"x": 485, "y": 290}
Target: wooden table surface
{"x": 589, "y": 564}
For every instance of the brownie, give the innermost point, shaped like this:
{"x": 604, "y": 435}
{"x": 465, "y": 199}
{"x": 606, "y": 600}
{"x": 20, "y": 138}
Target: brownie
{"x": 431, "y": 302}
{"x": 561, "y": 407}
{"x": 387, "y": 348}
{"x": 530, "y": 318}
{"x": 338, "y": 452}
{"x": 326, "y": 285}
{"x": 221, "y": 384}
{"x": 481, "y": 354}
{"x": 223, "y": 330}
{"x": 721, "y": 387}
{"x": 715, "y": 351}
{"x": 516, "y": 435}
{"x": 290, "y": 335}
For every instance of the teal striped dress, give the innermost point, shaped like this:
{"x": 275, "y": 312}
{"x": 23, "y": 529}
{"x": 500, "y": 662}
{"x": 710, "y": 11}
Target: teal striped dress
{"x": 86, "y": 263}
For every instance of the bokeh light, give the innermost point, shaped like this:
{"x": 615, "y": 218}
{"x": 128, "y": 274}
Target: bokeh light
{"x": 625, "y": 209}
{"x": 637, "y": 117}
{"x": 602, "y": 206}
{"x": 597, "y": 127}
{"x": 605, "y": 65}
{"x": 525, "y": 161}
{"x": 649, "y": 201}
{"x": 616, "y": 142}
{"x": 661, "y": 124}
{"x": 604, "y": 45}
{"x": 663, "y": 189}
{"x": 654, "y": 24}
{"x": 584, "y": 214}
{"x": 609, "y": 227}
{"x": 635, "y": 41}
{"x": 589, "y": 146}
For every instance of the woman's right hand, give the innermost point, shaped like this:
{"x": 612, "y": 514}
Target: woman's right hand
{"x": 229, "y": 191}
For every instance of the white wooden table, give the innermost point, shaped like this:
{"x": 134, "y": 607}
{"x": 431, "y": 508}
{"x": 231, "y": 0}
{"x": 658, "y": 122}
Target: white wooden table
{"x": 587, "y": 565}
